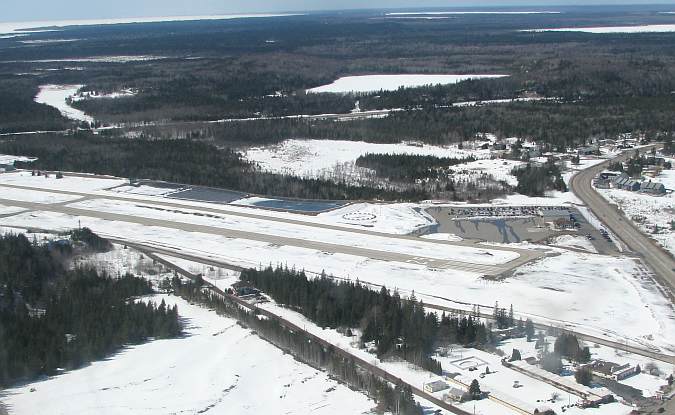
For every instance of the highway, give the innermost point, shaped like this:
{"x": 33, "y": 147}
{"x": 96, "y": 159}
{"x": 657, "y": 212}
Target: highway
{"x": 659, "y": 261}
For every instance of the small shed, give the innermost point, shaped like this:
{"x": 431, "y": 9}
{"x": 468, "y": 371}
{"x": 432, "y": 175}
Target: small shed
{"x": 7, "y": 167}
{"x": 435, "y": 386}
{"x": 454, "y": 394}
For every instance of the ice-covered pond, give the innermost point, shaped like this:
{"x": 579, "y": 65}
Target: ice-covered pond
{"x": 374, "y": 83}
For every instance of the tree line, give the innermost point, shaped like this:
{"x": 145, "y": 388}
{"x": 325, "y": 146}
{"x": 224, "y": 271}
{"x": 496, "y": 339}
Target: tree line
{"x": 52, "y": 317}
{"x": 537, "y": 180}
{"x": 410, "y": 167}
{"x": 182, "y": 161}
{"x": 395, "y": 326}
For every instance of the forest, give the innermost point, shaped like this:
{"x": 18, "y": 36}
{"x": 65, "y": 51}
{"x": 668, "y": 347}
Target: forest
{"x": 558, "y": 126}
{"x": 409, "y": 168}
{"x": 18, "y": 111}
{"x": 396, "y": 326}
{"x": 212, "y": 70}
{"x": 53, "y": 318}
{"x": 534, "y": 180}
{"x": 181, "y": 161}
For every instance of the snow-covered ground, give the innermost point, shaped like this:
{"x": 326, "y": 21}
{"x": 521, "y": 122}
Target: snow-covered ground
{"x": 530, "y": 396}
{"x": 499, "y": 169}
{"x": 96, "y": 95}
{"x": 8, "y": 210}
{"x": 34, "y": 196}
{"x": 315, "y": 158}
{"x": 574, "y": 241}
{"x": 654, "y": 28}
{"x": 498, "y": 101}
{"x": 443, "y": 237}
{"x": 374, "y": 83}
{"x": 560, "y": 290}
{"x": 10, "y": 159}
{"x": 648, "y": 211}
{"x": 56, "y": 96}
{"x": 222, "y": 278}
{"x": 145, "y": 190}
{"x": 218, "y": 367}
{"x": 307, "y": 233}
{"x": 80, "y": 183}
{"x": 399, "y": 218}
{"x": 643, "y": 381}
{"x": 575, "y": 281}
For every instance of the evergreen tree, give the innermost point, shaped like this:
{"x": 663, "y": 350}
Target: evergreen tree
{"x": 529, "y": 330}
{"x": 474, "y": 390}
{"x": 583, "y": 375}
{"x": 515, "y": 355}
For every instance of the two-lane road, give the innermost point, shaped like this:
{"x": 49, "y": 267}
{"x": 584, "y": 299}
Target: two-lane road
{"x": 654, "y": 256}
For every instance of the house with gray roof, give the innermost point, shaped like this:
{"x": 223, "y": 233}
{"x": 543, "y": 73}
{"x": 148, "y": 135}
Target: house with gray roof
{"x": 654, "y": 188}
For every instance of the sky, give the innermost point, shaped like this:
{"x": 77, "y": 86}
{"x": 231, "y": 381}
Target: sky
{"x": 32, "y": 10}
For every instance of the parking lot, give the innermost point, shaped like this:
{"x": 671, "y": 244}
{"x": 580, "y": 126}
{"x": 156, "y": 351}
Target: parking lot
{"x": 513, "y": 224}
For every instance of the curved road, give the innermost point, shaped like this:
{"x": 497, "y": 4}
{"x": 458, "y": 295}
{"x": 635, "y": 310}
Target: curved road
{"x": 654, "y": 256}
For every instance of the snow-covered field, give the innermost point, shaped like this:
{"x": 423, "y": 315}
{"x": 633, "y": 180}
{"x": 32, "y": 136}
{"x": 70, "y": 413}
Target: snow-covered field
{"x": 81, "y": 183}
{"x": 8, "y": 210}
{"x": 34, "y": 196}
{"x": 218, "y": 367}
{"x": 654, "y": 28}
{"x": 315, "y": 158}
{"x": 499, "y": 169}
{"x": 56, "y": 96}
{"x": 374, "y": 83}
{"x": 573, "y": 241}
{"x": 400, "y": 218}
{"x": 10, "y": 159}
{"x": 574, "y": 281}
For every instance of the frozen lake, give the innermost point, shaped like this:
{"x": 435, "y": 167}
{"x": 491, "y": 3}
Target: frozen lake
{"x": 374, "y": 83}
{"x": 12, "y": 27}
{"x": 653, "y": 28}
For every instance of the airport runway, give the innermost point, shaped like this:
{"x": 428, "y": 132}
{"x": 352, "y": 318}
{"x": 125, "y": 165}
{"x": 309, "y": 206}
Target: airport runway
{"x": 374, "y": 253}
